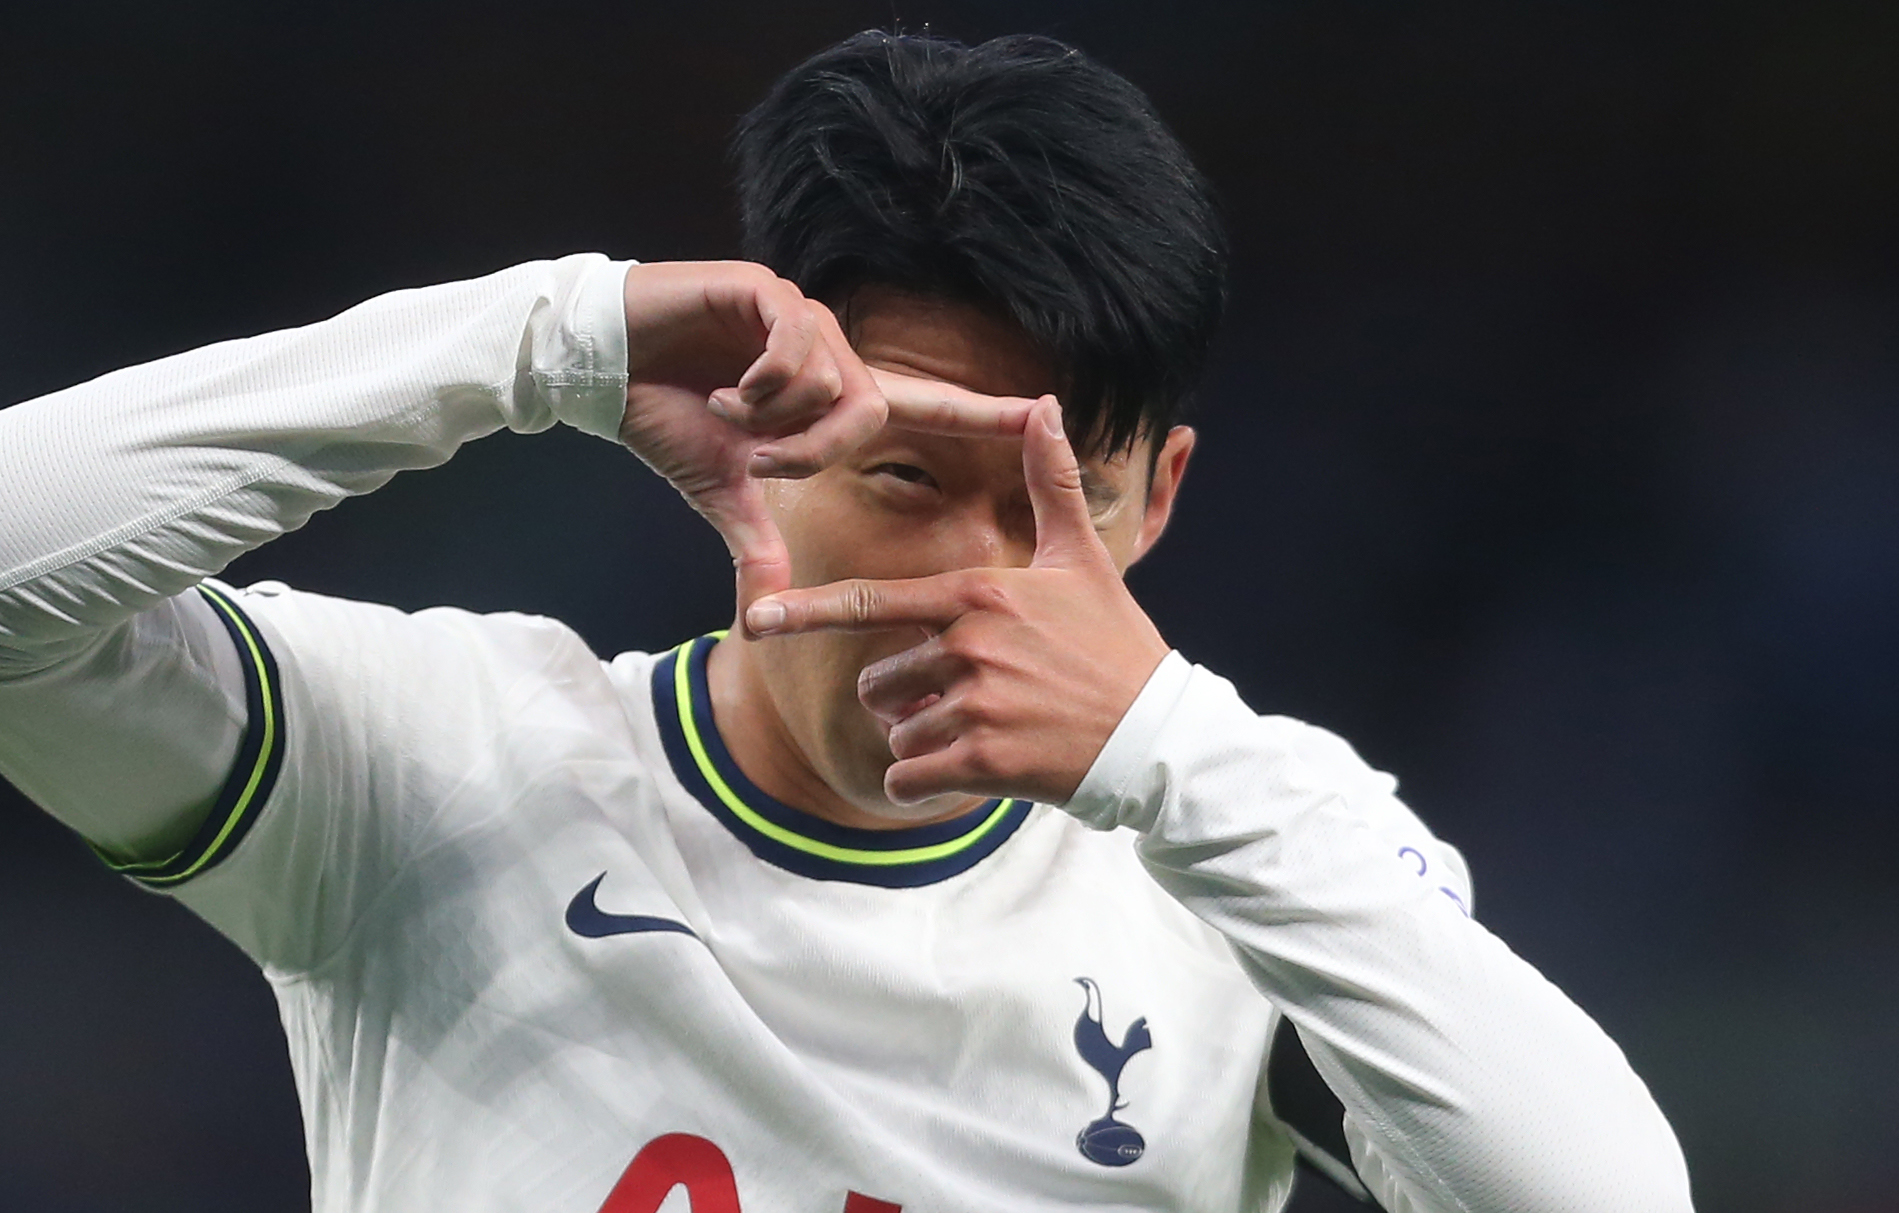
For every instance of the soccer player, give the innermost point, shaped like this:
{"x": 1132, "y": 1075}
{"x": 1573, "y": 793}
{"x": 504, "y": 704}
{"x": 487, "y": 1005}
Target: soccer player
{"x": 937, "y": 883}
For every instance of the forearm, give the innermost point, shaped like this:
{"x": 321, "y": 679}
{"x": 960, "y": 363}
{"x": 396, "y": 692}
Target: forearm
{"x": 123, "y": 491}
{"x": 121, "y": 701}
{"x": 1469, "y": 1081}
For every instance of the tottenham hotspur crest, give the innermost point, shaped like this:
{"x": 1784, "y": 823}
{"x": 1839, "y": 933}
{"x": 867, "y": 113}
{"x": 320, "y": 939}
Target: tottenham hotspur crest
{"x": 1108, "y": 1141}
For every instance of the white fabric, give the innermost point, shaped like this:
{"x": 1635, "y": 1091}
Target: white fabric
{"x": 1469, "y": 1081}
{"x": 453, "y": 780}
{"x": 121, "y": 492}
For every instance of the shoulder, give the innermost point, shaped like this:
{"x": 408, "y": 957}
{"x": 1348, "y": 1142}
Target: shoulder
{"x": 316, "y": 629}
{"x": 432, "y": 681}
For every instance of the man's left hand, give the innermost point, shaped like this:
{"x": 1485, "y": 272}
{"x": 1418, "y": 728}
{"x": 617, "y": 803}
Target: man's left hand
{"x": 1029, "y": 669}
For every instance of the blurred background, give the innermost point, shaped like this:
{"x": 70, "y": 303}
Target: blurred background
{"x": 1551, "y": 455}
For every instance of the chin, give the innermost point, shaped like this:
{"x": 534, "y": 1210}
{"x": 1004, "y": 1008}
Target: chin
{"x": 933, "y": 809}
{"x": 860, "y": 754}
{"x": 866, "y": 788}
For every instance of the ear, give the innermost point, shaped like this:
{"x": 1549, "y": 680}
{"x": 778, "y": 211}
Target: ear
{"x": 1170, "y": 468}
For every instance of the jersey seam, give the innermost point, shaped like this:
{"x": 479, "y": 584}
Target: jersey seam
{"x": 252, "y": 782}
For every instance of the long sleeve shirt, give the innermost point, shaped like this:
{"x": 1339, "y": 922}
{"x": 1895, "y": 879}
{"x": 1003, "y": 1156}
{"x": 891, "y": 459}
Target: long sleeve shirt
{"x": 320, "y": 781}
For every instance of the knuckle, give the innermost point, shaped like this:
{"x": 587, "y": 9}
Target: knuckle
{"x": 979, "y": 757}
{"x": 974, "y": 707}
{"x": 831, "y": 383}
{"x": 860, "y": 602}
{"x": 966, "y": 644}
{"x": 984, "y": 591}
{"x": 869, "y": 411}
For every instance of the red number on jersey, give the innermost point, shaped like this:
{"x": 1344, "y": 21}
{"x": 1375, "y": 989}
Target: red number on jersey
{"x": 667, "y": 1162}
{"x": 680, "y": 1158}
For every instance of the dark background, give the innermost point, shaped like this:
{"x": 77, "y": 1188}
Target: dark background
{"x": 1552, "y": 456}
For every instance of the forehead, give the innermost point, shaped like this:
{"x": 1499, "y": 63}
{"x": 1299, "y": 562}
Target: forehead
{"x": 947, "y": 340}
{"x": 959, "y": 343}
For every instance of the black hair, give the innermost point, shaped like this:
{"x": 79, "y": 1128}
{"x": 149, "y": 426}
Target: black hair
{"x": 1017, "y": 175}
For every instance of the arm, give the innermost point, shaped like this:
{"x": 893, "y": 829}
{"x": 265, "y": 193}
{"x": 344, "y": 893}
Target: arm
{"x": 122, "y": 706}
{"x": 123, "y": 700}
{"x": 1468, "y": 1081}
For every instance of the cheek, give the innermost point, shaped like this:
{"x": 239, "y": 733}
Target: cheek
{"x": 817, "y": 524}
{"x": 834, "y": 529}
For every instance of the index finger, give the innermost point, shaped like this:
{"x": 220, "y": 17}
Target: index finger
{"x": 861, "y": 605}
{"x": 935, "y": 407}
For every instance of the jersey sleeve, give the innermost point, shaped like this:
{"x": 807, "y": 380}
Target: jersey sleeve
{"x": 136, "y": 708}
{"x": 372, "y": 736}
{"x": 1469, "y": 1083}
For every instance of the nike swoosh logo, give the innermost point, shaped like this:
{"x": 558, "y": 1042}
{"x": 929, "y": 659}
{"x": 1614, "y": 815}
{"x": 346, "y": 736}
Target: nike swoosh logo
{"x": 588, "y": 919}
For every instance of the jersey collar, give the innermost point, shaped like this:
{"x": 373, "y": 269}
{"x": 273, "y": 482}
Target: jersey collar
{"x": 791, "y": 838}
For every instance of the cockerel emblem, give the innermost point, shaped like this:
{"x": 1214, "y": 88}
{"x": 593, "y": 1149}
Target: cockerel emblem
{"x": 1108, "y": 1141}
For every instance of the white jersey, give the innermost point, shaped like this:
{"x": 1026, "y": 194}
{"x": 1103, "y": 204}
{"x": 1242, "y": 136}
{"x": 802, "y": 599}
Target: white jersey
{"x": 541, "y": 921}
{"x": 540, "y": 945}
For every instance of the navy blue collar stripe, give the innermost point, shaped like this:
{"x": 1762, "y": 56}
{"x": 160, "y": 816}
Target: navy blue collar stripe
{"x": 791, "y": 838}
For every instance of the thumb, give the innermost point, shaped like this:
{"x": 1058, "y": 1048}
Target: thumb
{"x": 1064, "y": 530}
{"x": 760, "y": 561}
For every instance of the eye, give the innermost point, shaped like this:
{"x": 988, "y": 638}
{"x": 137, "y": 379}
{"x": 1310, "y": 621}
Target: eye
{"x": 908, "y": 473}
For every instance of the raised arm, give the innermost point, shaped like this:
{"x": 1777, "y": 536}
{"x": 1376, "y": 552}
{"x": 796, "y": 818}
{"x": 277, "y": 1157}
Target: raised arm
{"x": 123, "y": 700}
{"x": 1469, "y": 1083}
{"x": 122, "y": 706}
{"x": 128, "y": 489}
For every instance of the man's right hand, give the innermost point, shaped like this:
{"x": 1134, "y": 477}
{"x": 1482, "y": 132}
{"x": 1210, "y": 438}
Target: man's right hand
{"x": 734, "y": 375}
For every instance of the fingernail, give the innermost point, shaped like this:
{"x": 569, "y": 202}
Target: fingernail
{"x": 765, "y": 616}
{"x": 761, "y": 464}
{"x": 1052, "y": 420}
{"x": 717, "y": 408}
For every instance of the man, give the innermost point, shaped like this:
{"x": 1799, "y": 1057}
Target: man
{"x": 835, "y": 911}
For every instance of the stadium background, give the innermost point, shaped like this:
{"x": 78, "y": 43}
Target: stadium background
{"x": 1552, "y": 456}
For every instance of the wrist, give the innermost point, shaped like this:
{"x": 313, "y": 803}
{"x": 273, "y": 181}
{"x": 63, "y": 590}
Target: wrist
{"x": 1113, "y": 792}
{"x": 586, "y": 384}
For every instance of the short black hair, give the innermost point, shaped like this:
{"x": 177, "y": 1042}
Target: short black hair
{"x": 1017, "y": 175}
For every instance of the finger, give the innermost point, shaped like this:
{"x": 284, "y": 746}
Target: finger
{"x": 822, "y": 443}
{"x": 935, "y": 407}
{"x": 764, "y": 568}
{"x": 930, "y": 729}
{"x": 855, "y": 417}
{"x": 809, "y": 393}
{"x": 790, "y": 331}
{"x": 859, "y": 605}
{"x": 934, "y": 773}
{"x": 761, "y": 563}
{"x": 896, "y": 687}
{"x": 1064, "y": 529}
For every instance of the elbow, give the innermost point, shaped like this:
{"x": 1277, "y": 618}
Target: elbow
{"x": 1568, "y": 1156}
